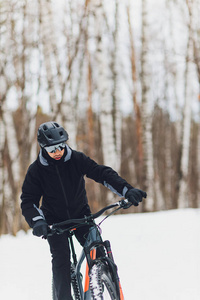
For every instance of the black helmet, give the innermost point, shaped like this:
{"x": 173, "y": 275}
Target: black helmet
{"x": 51, "y": 133}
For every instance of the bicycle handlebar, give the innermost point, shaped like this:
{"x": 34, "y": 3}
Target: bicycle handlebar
{"x": 123, "y": 203}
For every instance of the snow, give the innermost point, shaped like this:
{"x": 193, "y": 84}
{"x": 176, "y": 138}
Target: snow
{"x": 158, "y": 257}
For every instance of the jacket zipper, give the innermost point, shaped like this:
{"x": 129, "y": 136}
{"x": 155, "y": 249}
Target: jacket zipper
{"x": 63, "y": 190}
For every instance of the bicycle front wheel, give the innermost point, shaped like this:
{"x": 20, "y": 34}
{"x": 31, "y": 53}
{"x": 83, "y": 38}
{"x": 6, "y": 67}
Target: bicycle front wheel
{"x": 102, "y": 286}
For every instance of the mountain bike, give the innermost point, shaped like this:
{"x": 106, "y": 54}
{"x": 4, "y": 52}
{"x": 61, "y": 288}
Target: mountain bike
{"x": 101, "y": 275}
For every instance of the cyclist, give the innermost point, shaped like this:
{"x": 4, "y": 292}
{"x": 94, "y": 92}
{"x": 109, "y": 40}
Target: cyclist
{"x": 57, "y": 176}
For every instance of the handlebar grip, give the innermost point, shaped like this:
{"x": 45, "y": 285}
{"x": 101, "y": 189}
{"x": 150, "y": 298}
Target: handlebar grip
{"x": 49, "y": 233}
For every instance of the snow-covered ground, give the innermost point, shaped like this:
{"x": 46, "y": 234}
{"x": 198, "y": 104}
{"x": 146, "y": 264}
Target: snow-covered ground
{"x": 158, "y": 256}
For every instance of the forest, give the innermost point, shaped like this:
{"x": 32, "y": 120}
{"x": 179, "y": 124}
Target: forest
{"x": 122, "y": 77}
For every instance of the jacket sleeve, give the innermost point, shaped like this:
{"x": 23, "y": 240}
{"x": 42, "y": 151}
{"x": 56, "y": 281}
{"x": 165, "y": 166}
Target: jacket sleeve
{"x": 31, "y": 195}
{"x": 104, "y": 175}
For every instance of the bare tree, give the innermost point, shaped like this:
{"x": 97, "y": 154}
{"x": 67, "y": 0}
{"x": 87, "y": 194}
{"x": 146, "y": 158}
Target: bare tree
{"x": 198, "y": 157}
{"x": 135, "y": 97}
{"x": 2, "y": 168}
{"x": 183, "y": 200}
{"x": 148, "y": 175}
{"x": 104, "y": 86}
{"x": 47, "y": 30}
{"x": 115, "y": 92}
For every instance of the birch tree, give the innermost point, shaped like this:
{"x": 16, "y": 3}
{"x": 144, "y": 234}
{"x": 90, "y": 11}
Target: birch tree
{"x": 2, "y": 168}
{"x": 103, "y": 83}
{"x": 135, "y": 96}
{"x": 170, "y": 97}
{"x": 198, "y": 156}
{"x": 183, "y": 199}
{"x": 47, "y": 30}
{"x": 148, "y": 169}
{"x": 116, "y": 93}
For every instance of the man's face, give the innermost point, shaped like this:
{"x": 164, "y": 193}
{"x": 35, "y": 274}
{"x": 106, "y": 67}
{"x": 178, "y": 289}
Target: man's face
{"x": 56, "y": 155}
{"x": 56, "y": 151}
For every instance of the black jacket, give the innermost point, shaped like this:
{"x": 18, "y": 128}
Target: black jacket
{"x": 60, "y": 186}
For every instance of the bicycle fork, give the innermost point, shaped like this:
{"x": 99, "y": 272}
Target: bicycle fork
{"x": 87, "y": 279}
{"x": 90, "y": 253}
{"x": 110, "y": 255}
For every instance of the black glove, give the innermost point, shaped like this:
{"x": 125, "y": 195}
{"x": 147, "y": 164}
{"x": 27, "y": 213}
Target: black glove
{"x": 40, "y": 228}
{"x": 135, "y": 196}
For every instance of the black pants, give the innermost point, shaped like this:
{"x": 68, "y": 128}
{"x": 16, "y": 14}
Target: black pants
{"x": 60, "y": 251}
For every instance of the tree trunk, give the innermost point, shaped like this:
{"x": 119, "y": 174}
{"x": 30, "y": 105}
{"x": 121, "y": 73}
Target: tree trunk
{"x": 104, "y": 89}
{"x": 136, "y": 106}
{"x": 198, "y": 156}
{"x": 183, "y": 198}
{"x": 116, "y": 92}
{"x": 148, "y": 169}
{"x": 12, "y": 170}
{"x": 2, "y": 166}
{"x": 46, "y": 30}
{"x": 90, "y": 117}
{"x": 196, "y": 51}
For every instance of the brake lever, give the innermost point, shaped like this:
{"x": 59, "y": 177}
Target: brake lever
{"x": 125, "y": 204}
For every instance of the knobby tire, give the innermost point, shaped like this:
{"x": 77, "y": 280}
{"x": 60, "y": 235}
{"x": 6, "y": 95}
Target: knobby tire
{"x": 102, "y": 286}
{"x": 74, "y": 284}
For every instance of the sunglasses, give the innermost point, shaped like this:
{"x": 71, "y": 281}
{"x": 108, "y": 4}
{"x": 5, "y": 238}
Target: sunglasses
{"x": 53, "y": 148}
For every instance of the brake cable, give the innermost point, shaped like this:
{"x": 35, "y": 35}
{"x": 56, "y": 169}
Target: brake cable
{"x": 111, "y": 213}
